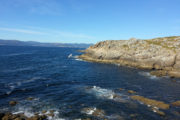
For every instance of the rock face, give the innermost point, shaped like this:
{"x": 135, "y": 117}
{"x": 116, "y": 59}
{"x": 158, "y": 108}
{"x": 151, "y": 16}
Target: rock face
{"x": 159, "y": 53}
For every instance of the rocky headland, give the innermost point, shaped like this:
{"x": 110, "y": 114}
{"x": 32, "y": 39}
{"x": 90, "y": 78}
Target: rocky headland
{"x": 162, "y": 55}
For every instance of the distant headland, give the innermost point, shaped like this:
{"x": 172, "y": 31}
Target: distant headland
{"x": 33, "y": 43}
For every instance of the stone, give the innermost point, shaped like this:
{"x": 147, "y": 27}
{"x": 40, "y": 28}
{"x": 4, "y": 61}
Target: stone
{"x": 44, "y": 111}
{"x": 176, "y": 104}
{"x": 30, "y": 98}
{"x": 159, "y": 73}
{"x": 121, "y": 89}
{"x": 131, "y": 91}
{"x": 13, "y": 103}
{"x": 158, "y": 112}
{"x": 161, "y": 54}
{"x": 150, "y": 102}
{"x": 50, "y": 114}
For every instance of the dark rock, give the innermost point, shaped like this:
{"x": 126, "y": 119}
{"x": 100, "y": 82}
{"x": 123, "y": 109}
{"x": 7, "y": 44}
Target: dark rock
{"x": 151, "y": 102}
{"x": 13, "y": 103}
{"x": 30, "y": 98}
{"x": 1, "y": 115}
{"x": 159, "y": 73}
{"x": 131, "y": 91}
{"x": 176, "y": 104}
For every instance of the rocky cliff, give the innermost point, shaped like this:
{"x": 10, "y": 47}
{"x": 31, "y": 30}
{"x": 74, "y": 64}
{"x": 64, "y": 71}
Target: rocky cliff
{"x": 160, "y": 54}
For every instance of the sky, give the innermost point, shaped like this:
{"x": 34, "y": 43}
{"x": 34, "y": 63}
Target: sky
{"x": 88, "y": 21}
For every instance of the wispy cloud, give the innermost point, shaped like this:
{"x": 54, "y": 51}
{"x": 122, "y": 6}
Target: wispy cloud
{"x": 21, "y": 31}
{"x": 49, "y": 33}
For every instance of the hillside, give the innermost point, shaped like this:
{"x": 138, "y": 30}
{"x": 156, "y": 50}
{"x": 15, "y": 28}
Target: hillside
{"x": 160, "y": 54}
{"x": 32, "y": 43}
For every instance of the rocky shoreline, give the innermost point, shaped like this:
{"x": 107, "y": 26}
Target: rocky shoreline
{"x": 161, "y": 55}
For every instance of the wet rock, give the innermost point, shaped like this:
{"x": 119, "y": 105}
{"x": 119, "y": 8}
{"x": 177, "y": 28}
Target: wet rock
{"x": 30, "y": 98}
{"x": 52, "y": 111}
{"x": 173, "y": 80}
{"x": 10, "y": 116}
{"x": 86, "y": 119}
{"x": 1, "y": 115}
{"x": 176, "y": 113}
{"x": 94, "y": 112}
{"x": 21, "y": 116}
{"x": 98, "y": 113}
{"x": 117, "y": 96}
{"x": 176, "y": 104}
{"x": 133, "y": 115}
{"x": 13, "y": 103}
{"x": 131, "y": 92}
{"x": 38, "y": 117}
{"x": 44, "y": 111}
{"x": 50, "y": 114}
{"x": 158, "y": 112}
{"x": 159, "y": 73}
{"x": 150, "y": 102}
{"x": 121, "y": 89}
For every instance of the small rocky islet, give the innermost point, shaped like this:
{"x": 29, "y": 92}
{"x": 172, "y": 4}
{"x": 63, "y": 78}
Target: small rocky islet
{"x": 162, "y": 55}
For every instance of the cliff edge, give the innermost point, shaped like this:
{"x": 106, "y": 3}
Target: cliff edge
{"x": 159, "y": 54}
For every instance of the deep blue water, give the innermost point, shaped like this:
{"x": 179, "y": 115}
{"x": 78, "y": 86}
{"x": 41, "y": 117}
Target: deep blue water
{"x": 68, "y": 85}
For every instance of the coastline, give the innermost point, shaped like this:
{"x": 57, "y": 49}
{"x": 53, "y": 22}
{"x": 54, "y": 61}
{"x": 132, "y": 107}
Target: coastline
{"x": 163, "y": 61}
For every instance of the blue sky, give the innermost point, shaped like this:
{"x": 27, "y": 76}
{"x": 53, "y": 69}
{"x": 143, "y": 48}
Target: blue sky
{"x": 88, "y": 21}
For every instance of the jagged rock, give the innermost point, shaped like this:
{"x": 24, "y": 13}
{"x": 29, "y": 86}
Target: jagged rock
{"x": 121, "y": 89}
{"x": 37, "y": 117}
{"x": 1, "y": 115}
{"x": 44, "y": 111}
{"x": 161, "y": 113}
{"x": 159, "y": 73}
{"x": 177, "y": 103}
{"x": 159, "y": 53}
{"x": 94, "y": 112}
{"x": 13, "y": 103}
{"x": 30, "y": 98}
{"x": 131, "y": 91}
{"x": 150, "y": 102}
{"x": 10, "y": 116}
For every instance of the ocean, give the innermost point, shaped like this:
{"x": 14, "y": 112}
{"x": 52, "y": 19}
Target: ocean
{"x": 44, "y": 79}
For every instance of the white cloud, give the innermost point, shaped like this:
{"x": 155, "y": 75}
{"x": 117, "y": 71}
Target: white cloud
{"x": 21, "y": 31}
{"x": 49, "y": 33}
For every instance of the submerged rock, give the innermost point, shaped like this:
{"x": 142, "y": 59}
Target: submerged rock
{"x": 131, "y": 92}
{"x": 161, "y": 113}
{"x": 13, "y": 103}
{"x": 121, "y": 89}
{"x": 177, "y": 103}
{"x": 159, "y": 73}
{"x": 30, "y": 98}
{"x": 21, "y": 116}
{"x": 38, "y": 117}
{"x": 151, "y": 102}
{"x": 94, "y": 112}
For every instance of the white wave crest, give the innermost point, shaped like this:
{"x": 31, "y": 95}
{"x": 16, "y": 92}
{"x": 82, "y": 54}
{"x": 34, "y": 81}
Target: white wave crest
{"x": 101, "y": 92}
{"x": 147, "y": 74}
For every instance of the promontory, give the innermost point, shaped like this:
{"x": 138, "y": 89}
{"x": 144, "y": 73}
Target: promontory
{"x": 162, "y": 55}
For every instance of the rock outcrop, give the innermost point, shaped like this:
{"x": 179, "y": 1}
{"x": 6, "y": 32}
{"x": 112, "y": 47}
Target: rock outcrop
{"x": 160, "y": 54}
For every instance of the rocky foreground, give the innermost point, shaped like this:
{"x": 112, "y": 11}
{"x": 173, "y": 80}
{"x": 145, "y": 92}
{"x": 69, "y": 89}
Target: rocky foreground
{"x": 162, "y": 55}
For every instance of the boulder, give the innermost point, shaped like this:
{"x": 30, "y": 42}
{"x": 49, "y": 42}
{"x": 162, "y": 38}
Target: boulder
{"x": 150, "y": 102}
{"x": 13, "y": 103}
{"x": 177, "y": 103}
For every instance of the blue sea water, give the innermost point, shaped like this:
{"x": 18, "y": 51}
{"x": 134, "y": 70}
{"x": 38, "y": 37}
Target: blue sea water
{"x": 69, "y": 85}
